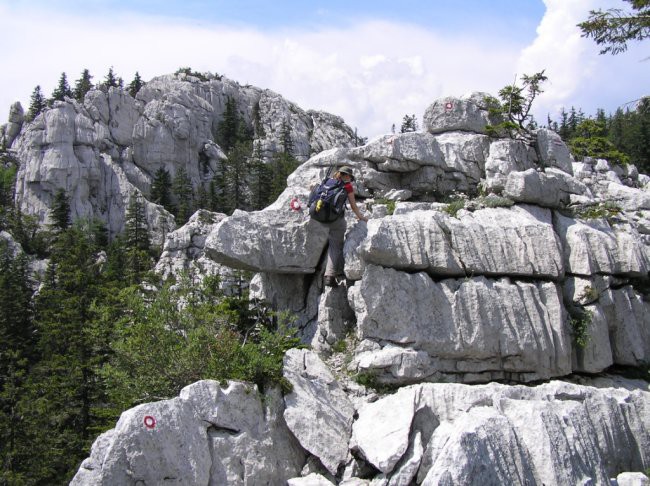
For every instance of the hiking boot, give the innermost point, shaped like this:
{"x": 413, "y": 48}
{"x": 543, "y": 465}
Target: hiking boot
{"x": 330, "y": 281}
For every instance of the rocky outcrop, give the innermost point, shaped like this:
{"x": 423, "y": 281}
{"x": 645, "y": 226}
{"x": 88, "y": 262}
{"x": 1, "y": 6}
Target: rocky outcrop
{"x": 472, "y": 289}
{"x": 11, "y": 129}
{"x": 108, "y": 148}
{"x": 207, "y": 435}
{"x": 484, "y": 260}
{"x": 555, "y": 433}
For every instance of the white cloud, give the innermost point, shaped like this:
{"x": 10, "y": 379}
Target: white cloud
{"x": 578, "y": 75}
{"x": 371, "y": 73}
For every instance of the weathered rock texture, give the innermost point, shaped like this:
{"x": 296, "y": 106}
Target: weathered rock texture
{"x": 484, "y": 259}
{"x": 556, "y": 433}
{"x": 470, "y": 289}
{"x": 109, "y": 147}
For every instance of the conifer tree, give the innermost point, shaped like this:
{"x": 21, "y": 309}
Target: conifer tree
{"x": 161, "y": 189}
{"x": 261, "y": 178}
{"x": 16, "y": 356}
{"x": 36, "y": 105}
{"x": 60, "y": 211}
{"x": 137, "y": 241}
{"x": 110, "y": 81}
{"x": 228, "y": 127}
{"x": 62, "y": 90}
{"x": 135, "y": 85}
{"x": 409, "y": 124}
{"x": 184, "y": 192}
{"x": 82, "y": 86}
{"x": 235, "y": 177}
{"x": 63, "y": 390}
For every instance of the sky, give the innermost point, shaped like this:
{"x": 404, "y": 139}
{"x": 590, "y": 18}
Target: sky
{"x": 368, "y": 61}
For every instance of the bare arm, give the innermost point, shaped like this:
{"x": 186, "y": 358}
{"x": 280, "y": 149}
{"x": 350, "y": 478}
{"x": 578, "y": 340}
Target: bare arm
{"x": 355, "y": 208}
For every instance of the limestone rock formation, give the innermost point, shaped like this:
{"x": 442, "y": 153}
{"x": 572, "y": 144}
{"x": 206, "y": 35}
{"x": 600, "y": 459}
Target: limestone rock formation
{"x": 485, "y": 259}
{"x": 109, "y": 147}
{"x": 555, "y": 433}
{"x": 493, "y": 270}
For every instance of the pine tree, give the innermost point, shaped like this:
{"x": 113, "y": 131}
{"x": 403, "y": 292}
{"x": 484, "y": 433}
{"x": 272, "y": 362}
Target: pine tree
{"x": 235, "y": 177}
{"x": 135, "y": 85}
{"x": 161, "y": 189}
{"x": 82, "y": 86}
{"x": 409, "y": 124}
{"x": 184, "y": 192}
{"x": 261, "y": 189}
{"x": 63, "y": 392}
{"x": 17, "y": 341}
{"x": 136, "y": 237}
{"x": 62, "y": 90}
{"x": 286, "y": 142}
{"x": 60, "y": 211}
{"x": 36, "y": 105}
{"x": 228, "y": 127}
{"x": 110, "y": 81}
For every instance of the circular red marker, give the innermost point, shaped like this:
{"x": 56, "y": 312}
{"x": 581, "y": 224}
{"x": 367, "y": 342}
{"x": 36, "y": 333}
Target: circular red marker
{"x": 449, "y": 106}
{"x": 149, "y": 422}
{"x": 295, "y": 204}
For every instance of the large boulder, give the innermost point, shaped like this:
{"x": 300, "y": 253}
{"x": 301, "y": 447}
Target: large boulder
{"x": 318, "y": 411}
{"x": 275, "y": 241}
{"x": 555, "y": 433}
{"x": 469, "y": 113}
{"x": 553, "y": 151}
{"x": 598, "y": 247}
{"x": 552, "y": 188}
{"x": 475, "y": 329}
{"x": 519, "y": 241}
{"x": 206, "y": 435}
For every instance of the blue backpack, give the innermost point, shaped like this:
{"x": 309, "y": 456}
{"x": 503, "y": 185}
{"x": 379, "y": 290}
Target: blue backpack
{"x": 327, "y": 200}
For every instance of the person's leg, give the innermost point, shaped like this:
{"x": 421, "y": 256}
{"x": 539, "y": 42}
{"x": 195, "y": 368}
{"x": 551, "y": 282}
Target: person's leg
{"x": 335, "y": 263}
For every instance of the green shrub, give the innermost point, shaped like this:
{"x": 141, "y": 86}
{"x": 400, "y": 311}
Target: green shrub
{"x": 454, "y": 206}
{"x": 606, "y": 210}
{"x": 580, "y": 323}
{"x": 389, "y": 203}
{"x": 178, "y": 335}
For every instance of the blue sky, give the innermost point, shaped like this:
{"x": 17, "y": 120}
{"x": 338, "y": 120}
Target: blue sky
{"x": 370, "y": 62}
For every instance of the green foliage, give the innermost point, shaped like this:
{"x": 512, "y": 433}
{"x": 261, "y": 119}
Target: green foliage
{"x": 177, "y": 335}
{"x": 61, "y": 398}
{"x": 62, "y": 90}
{"x": 111, "y": 81}
{"x": 189, "y": 72}
{"x": 60, "y": 211}
{"x": 261, "y": 175}
{"x": 82, "y": 85}
{"x": 604, "y": 210}
{"x": 580, "y": 322}
{"x": 493, "y": 201}
{"x": 36, "y": 105}
{"x": 614, "y": 28}
{"x": 409, "y": 124}
{"x": 589, "y": 294}
{"x": 454, "y": 206}
{"x": 589, "y": 140}
{"x": 137, "y": 242}
{"x": 135, "y": 85}
{"x": 515, "y": 105}
{"x": 369, "y": 380}
{"x": 184, "y": 192}
{"x": 161, "y": 189}
{"x": 390, "y": 205}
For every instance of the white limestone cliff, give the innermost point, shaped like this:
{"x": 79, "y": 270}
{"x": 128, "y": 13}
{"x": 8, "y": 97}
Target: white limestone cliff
{"x": 493, "y": 252}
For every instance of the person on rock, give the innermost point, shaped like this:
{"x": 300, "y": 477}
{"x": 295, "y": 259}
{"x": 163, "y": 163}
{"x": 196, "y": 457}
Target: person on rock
{"x": 334, "y": 266}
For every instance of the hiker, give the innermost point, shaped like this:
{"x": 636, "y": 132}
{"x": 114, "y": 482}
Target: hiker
{"x": 336, "y": 228}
